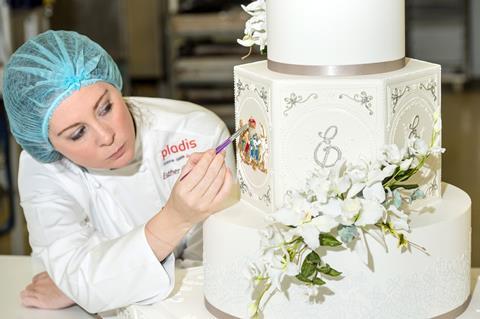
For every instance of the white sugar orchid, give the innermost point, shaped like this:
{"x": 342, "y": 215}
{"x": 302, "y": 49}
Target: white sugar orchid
{"x": 358, "y": 171}
{"x": 374, "y": 173}
{"x": 391, "y": 154}
{"x": 350, "y": 209}
{"x": 398, "y": 218}
{"x": 254, "y": 271}
{"x": 256, "y": 26}
{"x": 310, "y": 231}
{"x": 371, "y": 213}
{"x": 374, "y": 192}
{"x": 290, "y": 216}
{"x": 273, "y": 235}
{"x": 297, "y": 210}
{"x": 378, "y": 174}
{"x": 406, "y": 164}
{"x": 254, "y": 32}
{"x": 310, "y": 234}
{"x": 279, "y": 266}
{"x": 332, "y": 208}
{"x": 417, "y": 147}
{"x": 319, "y": 185}
{"x": 258, "y": 273}
{"x": 337, "y": 208}
{"x": 297, "y": 202}
{"x": 339, "y": 181}
{"x": 255, "y": 7}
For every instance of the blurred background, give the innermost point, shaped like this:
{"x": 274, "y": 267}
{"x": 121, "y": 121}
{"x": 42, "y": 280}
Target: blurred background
{"x": 186, "y": 49}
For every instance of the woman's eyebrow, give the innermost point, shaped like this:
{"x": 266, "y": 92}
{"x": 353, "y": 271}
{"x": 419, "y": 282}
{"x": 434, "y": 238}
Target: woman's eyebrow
{"x": 98, "y": 101}
{"x": 94, "y": 109}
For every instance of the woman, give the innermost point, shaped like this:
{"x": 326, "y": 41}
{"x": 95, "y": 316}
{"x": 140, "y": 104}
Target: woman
{"x": 99, "y": 176}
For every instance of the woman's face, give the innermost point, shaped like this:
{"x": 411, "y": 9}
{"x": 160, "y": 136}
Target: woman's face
{"x": 94, "y": 128}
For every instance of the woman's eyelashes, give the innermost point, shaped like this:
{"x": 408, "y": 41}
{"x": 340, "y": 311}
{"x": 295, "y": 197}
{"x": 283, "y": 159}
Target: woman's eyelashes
{"x": 78, "y": 133}
{"x": 105, "y": 109}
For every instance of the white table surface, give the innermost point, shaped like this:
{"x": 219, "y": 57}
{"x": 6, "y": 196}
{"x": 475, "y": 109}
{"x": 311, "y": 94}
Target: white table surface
{"x": 16, "y": 273}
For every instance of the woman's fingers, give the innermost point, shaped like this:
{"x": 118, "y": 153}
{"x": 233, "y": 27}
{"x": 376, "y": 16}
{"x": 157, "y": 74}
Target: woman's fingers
{"x": 28, "y": 293}
{"x": 192, "y": 161}
{"x": 31, "y": 302}
{"x": 195, "y": 157}
{"x": 224, "y": 191}
{"x": 31, "y": 287}
{"x": 192, "y": 196}
{"x": 210, "y": 176}
{"x": 43, "y": 293}
{"x": 39, "y": 276}
{"x": 216, "y": 185}
{"x": 196, "y": 174}
{"x": 29, "y": 298}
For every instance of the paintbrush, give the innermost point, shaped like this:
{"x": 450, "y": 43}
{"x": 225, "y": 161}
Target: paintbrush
{"x": 225, "y": 143}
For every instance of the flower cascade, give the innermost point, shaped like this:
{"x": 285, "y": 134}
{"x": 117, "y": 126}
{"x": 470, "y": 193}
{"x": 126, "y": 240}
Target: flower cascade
{"x": 336, "y": 208}
{"x": 255, "y": 27}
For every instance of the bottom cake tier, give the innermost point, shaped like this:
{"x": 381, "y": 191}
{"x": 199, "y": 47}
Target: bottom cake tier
{"x": 397, "y": 284}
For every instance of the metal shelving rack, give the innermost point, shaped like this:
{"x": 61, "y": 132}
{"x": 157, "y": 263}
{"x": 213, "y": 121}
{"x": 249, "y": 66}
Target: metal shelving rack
{"x": 201, "y": 54}
{"x": 438, "y": 31}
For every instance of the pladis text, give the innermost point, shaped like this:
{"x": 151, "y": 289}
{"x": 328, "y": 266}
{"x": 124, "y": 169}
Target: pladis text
{"x": 184, "y": 145}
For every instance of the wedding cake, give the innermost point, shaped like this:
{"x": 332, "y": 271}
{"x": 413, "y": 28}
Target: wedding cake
{"x": 337, "y": 87}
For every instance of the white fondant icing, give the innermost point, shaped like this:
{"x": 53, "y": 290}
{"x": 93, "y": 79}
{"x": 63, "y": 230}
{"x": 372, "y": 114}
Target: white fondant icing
{"x": 340, "y": 32}
{"x": 314, "y": 119}
{"x": 402, "y": 285}
{"x": 185, "y": 302}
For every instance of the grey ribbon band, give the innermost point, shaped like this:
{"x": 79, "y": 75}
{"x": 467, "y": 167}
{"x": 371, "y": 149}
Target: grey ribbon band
{"x": 455, "y": 312}
{"x": 332, "y": 70}
{"x": 217, "y": 313}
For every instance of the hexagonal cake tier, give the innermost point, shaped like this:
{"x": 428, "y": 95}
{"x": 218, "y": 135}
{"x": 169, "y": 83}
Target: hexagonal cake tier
{"x": 297, "y": 123}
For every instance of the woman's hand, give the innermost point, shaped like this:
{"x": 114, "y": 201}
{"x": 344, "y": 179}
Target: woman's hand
{"x": 43, "y": 293}
{"x": 206, "y": 184}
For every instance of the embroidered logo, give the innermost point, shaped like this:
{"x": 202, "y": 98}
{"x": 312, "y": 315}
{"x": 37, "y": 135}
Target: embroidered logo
{"x": 183, "y": 146}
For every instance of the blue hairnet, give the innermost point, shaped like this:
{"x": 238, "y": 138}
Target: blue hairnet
{"x": 41, "y": 74}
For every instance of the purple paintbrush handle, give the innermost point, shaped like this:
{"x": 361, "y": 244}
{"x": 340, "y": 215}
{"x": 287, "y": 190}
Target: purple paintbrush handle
{"x": 222, "y": 146}
{"x": 219, "y": 148}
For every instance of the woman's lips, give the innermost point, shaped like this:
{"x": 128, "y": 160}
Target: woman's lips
{"x": 118, "y": 153}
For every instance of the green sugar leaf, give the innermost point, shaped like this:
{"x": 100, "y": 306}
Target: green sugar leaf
{"x": 317, "y": 281}
{"x": 303, "y": 278}
{"x": 308, "y": 269}
{"x": 313, "y": 258}
{"x": 388, "y": 177}
{"x": 334, "y": 273}
{"x": 403, "y": 176}
{"x": 325, "y": 269}
{"x": 328, "y": 240}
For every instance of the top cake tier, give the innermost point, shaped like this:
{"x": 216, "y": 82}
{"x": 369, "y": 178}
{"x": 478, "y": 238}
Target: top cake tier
{"x": 341, "y": 37}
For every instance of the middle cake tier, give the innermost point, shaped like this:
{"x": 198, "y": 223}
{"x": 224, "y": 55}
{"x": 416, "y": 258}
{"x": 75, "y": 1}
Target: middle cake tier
{"x": 299, "y": 123}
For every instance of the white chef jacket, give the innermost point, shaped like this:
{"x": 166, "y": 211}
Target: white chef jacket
{"x": 86, "y": 227}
